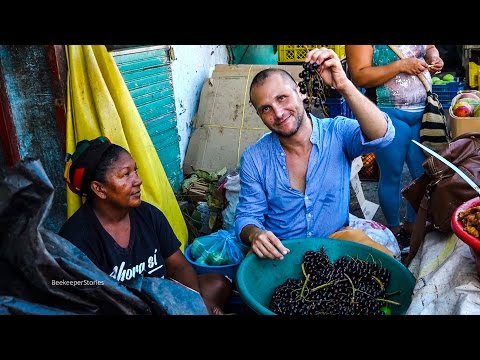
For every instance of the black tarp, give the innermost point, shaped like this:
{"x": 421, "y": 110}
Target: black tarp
{"x": 42, "y": 273}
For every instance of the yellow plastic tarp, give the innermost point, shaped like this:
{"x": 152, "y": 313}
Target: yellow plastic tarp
{"x": 99, "y": 103}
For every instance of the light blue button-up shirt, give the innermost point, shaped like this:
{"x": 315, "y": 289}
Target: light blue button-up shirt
{"x": 269, "y": 202}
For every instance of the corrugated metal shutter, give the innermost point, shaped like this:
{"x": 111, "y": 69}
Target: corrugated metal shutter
{"x": 148, "y": 76}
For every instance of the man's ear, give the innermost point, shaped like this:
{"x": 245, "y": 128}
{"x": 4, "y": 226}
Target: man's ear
{"x": 98, "y": 189}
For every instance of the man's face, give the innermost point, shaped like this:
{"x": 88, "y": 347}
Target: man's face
{"x": 279, "y": 104}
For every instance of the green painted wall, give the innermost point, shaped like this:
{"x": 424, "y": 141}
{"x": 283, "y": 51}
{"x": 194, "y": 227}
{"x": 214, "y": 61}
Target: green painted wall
{"x": 254, "y": 54}
{"x": 148, "y": 77}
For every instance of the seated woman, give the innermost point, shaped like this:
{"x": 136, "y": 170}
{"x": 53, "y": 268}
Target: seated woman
{"x": 123, "y": 235}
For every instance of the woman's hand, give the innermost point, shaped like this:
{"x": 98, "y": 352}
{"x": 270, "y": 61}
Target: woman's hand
{"x": 436, "y": 65}
{"x": 433, "y": 59}
{"x": 412, "y": 66}
{"x": 212, "y": 308}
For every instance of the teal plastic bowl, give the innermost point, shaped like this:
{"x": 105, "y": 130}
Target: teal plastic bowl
{"x": 257, "y": 278}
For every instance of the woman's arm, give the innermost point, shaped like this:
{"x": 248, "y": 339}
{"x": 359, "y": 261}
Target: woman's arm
{"x": 359, "y": 60}
{"x": 213, "y": 294}
{"x": 432, "y": 57}
{"x": 179, "y": 269}
{"x": 364, "y": 74}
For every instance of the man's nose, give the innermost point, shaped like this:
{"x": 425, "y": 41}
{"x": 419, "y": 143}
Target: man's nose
{"x": 278, "y": 110}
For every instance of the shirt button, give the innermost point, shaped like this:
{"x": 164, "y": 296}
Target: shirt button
{"x": 309, "y": 233}
{"x": 283, "y": 167}
{"x": 306, "y": 197}
{"x": 282, "y": 154}
{"x": 309, "y": 215}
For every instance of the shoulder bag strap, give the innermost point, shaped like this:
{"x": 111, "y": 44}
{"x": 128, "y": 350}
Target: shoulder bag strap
{"x": 422, "y": 78}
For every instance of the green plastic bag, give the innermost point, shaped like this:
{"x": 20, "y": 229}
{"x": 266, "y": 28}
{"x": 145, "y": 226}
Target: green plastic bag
{"x": 219, "y": 248}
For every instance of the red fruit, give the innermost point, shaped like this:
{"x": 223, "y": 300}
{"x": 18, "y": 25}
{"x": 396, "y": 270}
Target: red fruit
{"x": 463, "y": 111}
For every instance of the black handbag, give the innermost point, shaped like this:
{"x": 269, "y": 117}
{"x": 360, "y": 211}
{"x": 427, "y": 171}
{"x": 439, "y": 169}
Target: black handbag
{"x": 433, "y": 131}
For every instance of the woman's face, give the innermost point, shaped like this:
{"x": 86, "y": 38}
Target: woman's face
{"x": 122, "y": 183}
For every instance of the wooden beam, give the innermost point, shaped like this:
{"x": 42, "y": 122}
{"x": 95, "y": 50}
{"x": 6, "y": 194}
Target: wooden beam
{"x": 8, "y": 135}
{"x": 57, "y": 62}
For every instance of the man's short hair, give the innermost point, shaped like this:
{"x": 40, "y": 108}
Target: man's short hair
{"x": 264, "y": 74}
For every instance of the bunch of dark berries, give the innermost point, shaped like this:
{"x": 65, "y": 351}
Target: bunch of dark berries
{"x": 344, "y": 287}
{"x": 312, "y": 85}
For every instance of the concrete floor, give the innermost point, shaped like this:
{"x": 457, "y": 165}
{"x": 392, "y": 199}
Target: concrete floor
{"x": 370, "y": 190}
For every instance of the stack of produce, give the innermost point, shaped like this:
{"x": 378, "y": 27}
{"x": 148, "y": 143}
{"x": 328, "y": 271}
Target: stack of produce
{"x": 467, "y": 105}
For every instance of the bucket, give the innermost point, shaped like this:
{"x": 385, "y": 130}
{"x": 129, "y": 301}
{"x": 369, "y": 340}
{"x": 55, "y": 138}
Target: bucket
{"x": 229, "y": 270}
{"x": 258, "y": 278}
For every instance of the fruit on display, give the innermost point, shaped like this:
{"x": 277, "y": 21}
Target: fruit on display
{"x": 469, "y": 219}
{"x": 468, "y": 95}
{"x": 346, "y": 286}
{"x": 467, "y": 104}
{"x": 476, "y": 112}
{"x": 445, "y": 79}
{"x": 460, "y": 103}
{"x": 448, "y": 78}
{"x": 473, "y": 102}
{"x": 462, "y": 109}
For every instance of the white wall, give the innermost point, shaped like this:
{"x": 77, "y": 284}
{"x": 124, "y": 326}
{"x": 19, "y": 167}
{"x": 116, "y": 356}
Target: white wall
{"x": 193, "y": 64}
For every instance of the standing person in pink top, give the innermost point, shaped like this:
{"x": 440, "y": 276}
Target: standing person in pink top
{"x": 393, "y": 85}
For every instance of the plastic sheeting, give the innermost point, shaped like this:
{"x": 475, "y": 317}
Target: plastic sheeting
{"x": 377, "y": 232}
{"x": 42, "y": 273}
{"x": 232, "y": 194}
{"x": 447, "y": 280}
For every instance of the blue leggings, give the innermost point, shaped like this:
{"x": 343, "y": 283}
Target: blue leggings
{"x": 391, "y": 159}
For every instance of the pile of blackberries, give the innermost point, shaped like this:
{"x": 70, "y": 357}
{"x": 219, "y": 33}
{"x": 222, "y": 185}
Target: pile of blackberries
{"x": 347, "y": 286}
{"x": 312, "y": 85}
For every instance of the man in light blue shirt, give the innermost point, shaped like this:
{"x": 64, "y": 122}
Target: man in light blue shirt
{"x": 295, "y": 180}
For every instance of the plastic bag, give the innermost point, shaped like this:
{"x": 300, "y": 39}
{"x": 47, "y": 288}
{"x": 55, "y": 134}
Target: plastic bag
{"x": 377, "y": 232}
{"x": 42, "y": 273}
{"x": 219, "y": 248}
{"x": 232, "y": 194}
